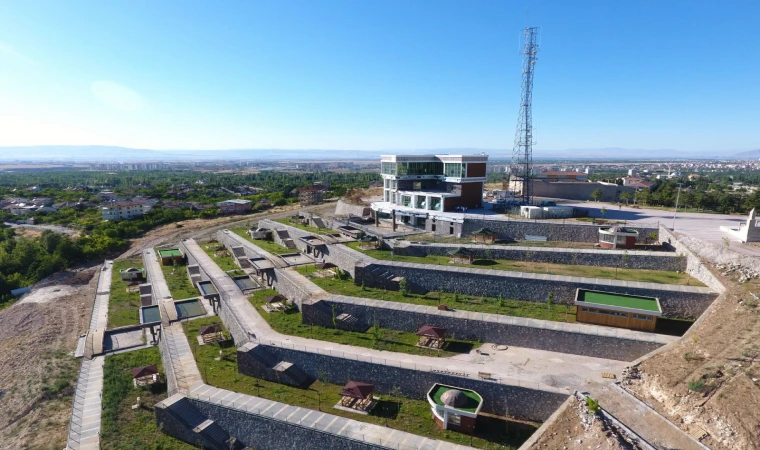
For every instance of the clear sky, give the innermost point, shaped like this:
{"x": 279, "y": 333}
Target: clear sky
{"x": 379, "y": 75}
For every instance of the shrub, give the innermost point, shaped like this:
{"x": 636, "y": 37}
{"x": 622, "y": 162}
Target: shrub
{"x": 592, "y": 404}
{"x": 696, "y": 385}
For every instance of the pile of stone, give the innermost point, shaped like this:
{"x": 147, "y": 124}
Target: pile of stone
{"x": 745, "y": 273}
{"x": 629, "y": 375}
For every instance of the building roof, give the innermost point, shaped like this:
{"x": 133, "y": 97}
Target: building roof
{"x": 236, "y": 201}
{"x": 461, "y": 251}
{"x": 144, "y": 371}
{"x": 210, "y": 329}
{"x": 275, "y": 298}
{"x": 357, "y": 389}
{"x": 645, "y": 304}
{"x": 169, "y": 252}
{"x": 484, "y": 231}
{"x": 619, "y": 230}
{"x": 456, "y": 398}
{"x": 431, "y": 331}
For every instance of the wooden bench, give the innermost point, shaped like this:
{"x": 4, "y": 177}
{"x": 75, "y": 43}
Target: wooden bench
{"x": 529, "y": 237}
{"x": 484, "y": 375}
{"x": 697, "y": 433}
{"x": 609, "y": 375}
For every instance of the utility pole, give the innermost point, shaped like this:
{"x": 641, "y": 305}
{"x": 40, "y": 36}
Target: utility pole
{"x": 678, "y": 196}
{"x": 521, "y": 167}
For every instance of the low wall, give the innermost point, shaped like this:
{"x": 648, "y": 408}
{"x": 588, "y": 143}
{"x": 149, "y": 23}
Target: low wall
{"x": 685, "y": 302}
{"x": 578, "y": 339}
{"x": 166, "y": 361}
{"x": 554, "y": 231}
{"x": 502, "y": 399}
{"x": 697, "y": 250}
{"x": 581, "y": 257}
{"x": 294, "y": 286}
{"x": 346, "y": 209}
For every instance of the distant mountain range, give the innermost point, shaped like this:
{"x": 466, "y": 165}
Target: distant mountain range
{"x": 71, "y": 154}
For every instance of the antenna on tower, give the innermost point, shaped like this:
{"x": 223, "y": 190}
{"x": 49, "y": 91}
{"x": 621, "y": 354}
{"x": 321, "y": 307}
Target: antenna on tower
{"x": 521, "y": 167}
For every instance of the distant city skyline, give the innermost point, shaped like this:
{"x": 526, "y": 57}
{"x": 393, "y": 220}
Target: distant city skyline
{"x": 382, "y": 76}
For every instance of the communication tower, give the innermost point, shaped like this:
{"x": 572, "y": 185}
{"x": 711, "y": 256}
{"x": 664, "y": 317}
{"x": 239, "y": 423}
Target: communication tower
{"x": 521, "y": 167}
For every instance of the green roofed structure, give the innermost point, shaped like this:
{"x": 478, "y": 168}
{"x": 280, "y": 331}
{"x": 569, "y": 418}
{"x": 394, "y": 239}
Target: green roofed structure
{"x": 484, "y": 235}
{"x": 454, "y": 408}
{"x": 170, "y": 256}
{"x": 617, "y": 310}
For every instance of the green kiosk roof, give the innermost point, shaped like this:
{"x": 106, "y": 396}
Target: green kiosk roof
{"x": 619, "y": 300}
{"x": 170, "y": 252}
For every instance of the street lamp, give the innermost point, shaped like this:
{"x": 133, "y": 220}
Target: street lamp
{"x": 678, "y": 196}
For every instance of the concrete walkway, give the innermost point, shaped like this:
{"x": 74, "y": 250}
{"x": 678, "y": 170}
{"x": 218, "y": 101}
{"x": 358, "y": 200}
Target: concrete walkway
{"x": 183, "y": 365}
{"x": 99, "y": 317}
{"x": 84, "y": 429}
{"x": 652, "y": 427}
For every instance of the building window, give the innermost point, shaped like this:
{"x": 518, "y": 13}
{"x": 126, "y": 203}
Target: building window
{"x": 454, "y": 170}
{"x": 406, "y": 200}
{"x": 451, "y": 229}
{"x": 640, "y": 317}
{"x": 455, "y": 419}
{"x": 609, "y": 238}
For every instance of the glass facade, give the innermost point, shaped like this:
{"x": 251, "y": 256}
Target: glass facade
{"x": 455, "y": 170}
{"x": 415, "y": 168}
{"x": 388, "y": 168}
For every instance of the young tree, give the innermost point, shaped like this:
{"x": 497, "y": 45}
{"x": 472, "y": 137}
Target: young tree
{"x": 596, "y": 194}
{"x": 625, "y": 196}
{"x": 603, "y": 211}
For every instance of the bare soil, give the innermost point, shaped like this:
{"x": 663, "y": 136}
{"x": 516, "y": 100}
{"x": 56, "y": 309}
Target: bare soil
{"x": 577, "y": 429}
{"x": 709, "y": 379}
{"x": 37, "y": 340}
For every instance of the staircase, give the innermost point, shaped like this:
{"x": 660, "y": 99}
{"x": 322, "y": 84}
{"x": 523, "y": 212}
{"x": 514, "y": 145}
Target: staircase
{"x": 379, "y": 276}
{"x": 208, "y": 433}
{"x": 318, "y": 222}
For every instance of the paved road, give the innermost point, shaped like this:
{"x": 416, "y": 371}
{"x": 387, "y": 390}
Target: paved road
{"x": 56, "y": 228}
{"x": 699, "y": 225}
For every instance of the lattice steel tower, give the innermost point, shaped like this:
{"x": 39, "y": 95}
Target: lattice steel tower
{"x": 522, "y": 154}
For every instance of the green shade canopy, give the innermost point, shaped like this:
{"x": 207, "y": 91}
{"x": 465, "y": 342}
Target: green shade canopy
{"x": 619, "y": 300}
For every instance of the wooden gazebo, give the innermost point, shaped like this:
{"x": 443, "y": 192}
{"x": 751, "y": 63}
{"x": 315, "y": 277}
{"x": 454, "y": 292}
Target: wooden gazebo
{"x": 461, "y": 256}
{"x": 484, "y": 236}
{"x": 357, "y": 395}
{"x": 431, "y": 337}
{"x": 145, "y": 375}
{"x": 211, "y": 333}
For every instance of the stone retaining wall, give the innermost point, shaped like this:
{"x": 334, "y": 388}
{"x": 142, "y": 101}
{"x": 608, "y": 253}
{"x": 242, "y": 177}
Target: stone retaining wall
{"x": 697, "y": 250}
{"x": 294, "y": 286}
{"x": 514, "y": 401}
{"x": 489, "y": 329}
{"x": 683, "y": 302}
{"x": 580, "y": 257}
{"x": 554, "y": 231}
{"x": 166, "y": 361}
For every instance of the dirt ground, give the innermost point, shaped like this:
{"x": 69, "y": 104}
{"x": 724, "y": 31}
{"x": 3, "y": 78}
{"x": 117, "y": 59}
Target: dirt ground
{"x": 577, "y": 429}
{"x": 37, "y": 340}
{"x": 709, "y": 379}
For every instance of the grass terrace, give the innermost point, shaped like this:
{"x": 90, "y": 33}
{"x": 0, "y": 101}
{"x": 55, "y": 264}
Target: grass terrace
{"x": 297, "y": 224}
{"x": 178, "y": 282}
{"x": 614, "y": 273}
{"x": 123, "y": 306}
{"x": 473, "y": 399}
{"x": 516, "y": 308}
{"x": 410, "y": 415}
{"x": 268, "y": 246}
{"x": 224, "y": 259}
{"x": 446, "y": 239}
{"x": 379, "y": 338}
{"x": 123, "y": 427}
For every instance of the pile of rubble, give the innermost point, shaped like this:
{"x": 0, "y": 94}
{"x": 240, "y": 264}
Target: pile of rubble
{"x": 629, "y": 376}
{"x": 745, "y": 273}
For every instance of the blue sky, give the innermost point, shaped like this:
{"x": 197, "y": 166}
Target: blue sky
{"x": 378, "y": 74}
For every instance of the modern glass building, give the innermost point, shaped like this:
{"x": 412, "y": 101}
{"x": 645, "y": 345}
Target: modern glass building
{"x": 432, "y": 182}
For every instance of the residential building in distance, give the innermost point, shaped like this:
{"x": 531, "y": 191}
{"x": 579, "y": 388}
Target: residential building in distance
{"x": 428, "y": 183}
{"x": 234, "y": 206}
{"x": 123, "y": 210}
{"x": 311, "y": 195}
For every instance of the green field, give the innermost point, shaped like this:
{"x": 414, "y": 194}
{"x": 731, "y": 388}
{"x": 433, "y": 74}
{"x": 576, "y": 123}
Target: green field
{"x": 411, "y": 415}
{"x": 507, "y": 307}
{"x": 299, "y": 225}
{"x": 265, "y": 245}
{"x": 290, "y": 323}
{"x": 178, "y": 282}
{"x": 123, "y": 306}
{"x": 225, "y": 261}
{"x": 123, "y": 427}
{"x": 615, "y": 273}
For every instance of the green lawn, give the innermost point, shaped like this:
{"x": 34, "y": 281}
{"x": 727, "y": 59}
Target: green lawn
{"x": 225, "y": 260}
{"x": 290, "y": 323}
{"x": 414, "y": 415}
{"x": 123, "y": 306}
{"x": 446, "y": 239}
{"x": 178, "y": 282}
{"x": 517, "y": 308}
{"x": 123, "y": 427}
{"x": 651, "y": 276}
{"x": 299, "y": 225}
{"x": 268, "y": 246}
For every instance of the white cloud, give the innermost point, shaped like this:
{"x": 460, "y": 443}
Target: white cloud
{"x": 117, "y": 96}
